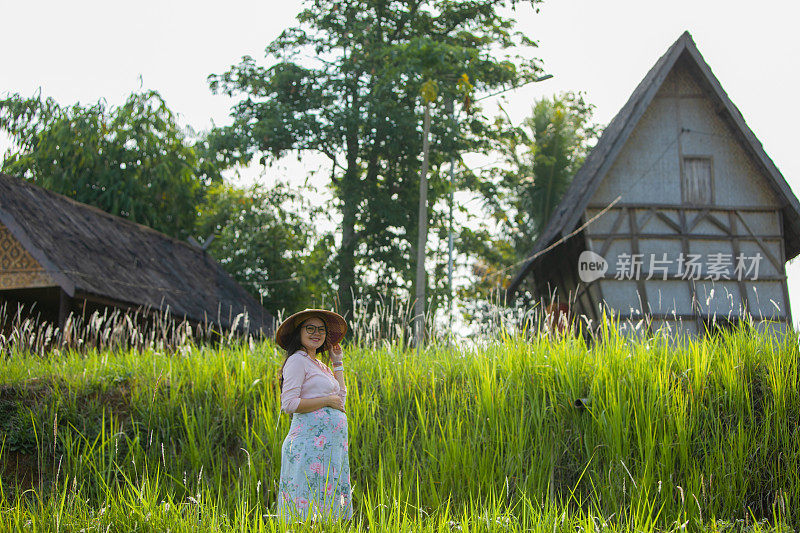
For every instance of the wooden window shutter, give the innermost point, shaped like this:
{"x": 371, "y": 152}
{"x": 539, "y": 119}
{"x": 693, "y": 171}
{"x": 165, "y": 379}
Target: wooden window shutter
{"x": 697, "y": 180}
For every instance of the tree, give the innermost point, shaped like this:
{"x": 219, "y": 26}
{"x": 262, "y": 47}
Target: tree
{"x": 264, "y": 242}
{"x": 541, "y": 156}
{"x": 133, "y": 161}
{"x": 344, "y": 83}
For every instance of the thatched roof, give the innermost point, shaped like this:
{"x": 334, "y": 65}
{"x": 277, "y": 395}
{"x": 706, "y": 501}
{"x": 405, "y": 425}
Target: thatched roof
{"x": 572, "y": 206}
{"x": 92, "y": 254}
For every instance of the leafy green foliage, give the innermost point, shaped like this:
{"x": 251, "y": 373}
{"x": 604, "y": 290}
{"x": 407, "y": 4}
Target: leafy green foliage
{"x": 263, "y": 239}
{"x": 540, "y": 158}
{"x": 136, "y": 162}
{"x": 345, "y": 82}
{"x": 133, "y": 161}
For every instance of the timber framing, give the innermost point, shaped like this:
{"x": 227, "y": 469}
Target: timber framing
{"x": 725, "y": 224}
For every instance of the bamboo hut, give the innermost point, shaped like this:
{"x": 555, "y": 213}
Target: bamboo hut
{"x": 678, "y": 217}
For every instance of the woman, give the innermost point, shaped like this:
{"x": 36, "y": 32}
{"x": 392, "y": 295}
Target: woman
{"x": 315, "y": 471}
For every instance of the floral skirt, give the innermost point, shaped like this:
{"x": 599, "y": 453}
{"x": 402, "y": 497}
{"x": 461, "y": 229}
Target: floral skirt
{"x": 315, "y": 470}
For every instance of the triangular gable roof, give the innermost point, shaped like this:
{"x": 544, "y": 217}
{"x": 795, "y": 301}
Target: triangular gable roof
{"x": 86, "y": 250}
{"x": 585, "y": 182}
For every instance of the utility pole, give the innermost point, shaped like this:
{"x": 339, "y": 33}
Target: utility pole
{"x": 450, "y": 108}
{"x": 429, "y": 92}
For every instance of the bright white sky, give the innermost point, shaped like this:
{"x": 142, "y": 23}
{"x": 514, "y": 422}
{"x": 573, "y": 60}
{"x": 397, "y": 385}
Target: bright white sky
{"x": 90, "y": 49}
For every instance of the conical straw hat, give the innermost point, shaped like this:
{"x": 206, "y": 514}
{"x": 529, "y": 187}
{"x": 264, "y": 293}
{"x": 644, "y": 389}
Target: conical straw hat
{"x": 335, "y": 326}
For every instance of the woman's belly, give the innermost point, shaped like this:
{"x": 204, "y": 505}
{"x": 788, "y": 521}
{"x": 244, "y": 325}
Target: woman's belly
{"x": 324, "y": 428}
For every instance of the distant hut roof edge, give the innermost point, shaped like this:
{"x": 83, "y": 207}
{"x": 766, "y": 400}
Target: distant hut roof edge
{"x": 89, "y": 251}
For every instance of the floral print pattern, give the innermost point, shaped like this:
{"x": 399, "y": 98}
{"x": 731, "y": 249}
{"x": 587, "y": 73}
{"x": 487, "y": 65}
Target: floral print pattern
{"x": 315, "y": 470}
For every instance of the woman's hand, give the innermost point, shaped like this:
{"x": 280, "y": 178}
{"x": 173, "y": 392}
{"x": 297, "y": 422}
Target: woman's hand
{"x": 335, "y": 401}
{"x": 336, "y": 354}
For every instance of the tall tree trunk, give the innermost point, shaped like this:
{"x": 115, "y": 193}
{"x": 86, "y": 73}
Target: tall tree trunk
{"x": 347, "y": 252}
{"x": 350, "y": 201}
{"x": 422, "y": 236}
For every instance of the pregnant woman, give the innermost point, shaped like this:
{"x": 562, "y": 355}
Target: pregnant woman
{"x": 315, "y": 471}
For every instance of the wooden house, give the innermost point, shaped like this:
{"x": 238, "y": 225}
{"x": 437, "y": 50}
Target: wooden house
{"x": 678, "y": 216}
{"x": 59, "y": 256}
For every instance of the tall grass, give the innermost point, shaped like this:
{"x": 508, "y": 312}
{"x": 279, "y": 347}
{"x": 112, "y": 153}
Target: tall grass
{"x": 702, "y": 435}
{"x": 143, "y": 328}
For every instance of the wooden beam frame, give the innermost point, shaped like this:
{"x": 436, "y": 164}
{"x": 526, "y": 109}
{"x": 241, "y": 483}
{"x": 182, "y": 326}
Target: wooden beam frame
{"x": 673, "y": 277}
{"x": 582, "y": 294}
{"x": 668, "y": 221}
{"x": 788, "y": 310}
{"x": 675, "y": 317}
{"x": 736, "y": 252}
{"x": 618, "y": 236}
{"x": 64, "y": 307}
{"x": 700, "y": 216}
{"x": 690, "y": 283}
{"x": 778, "y": 265}
{"x": 644, "y": 302}
{"x": 678, "y": 207}
{"x": 614, "y": 227}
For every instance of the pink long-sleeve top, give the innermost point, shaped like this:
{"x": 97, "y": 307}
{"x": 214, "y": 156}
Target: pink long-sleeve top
{"x": 304, "y": 378}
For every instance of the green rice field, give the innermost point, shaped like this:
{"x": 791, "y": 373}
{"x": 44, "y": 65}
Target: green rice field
{"x": 702, "y": 436}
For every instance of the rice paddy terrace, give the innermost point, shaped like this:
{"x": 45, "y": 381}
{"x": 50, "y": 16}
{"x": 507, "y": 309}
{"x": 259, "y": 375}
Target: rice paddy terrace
{"x": 536, "y": 434}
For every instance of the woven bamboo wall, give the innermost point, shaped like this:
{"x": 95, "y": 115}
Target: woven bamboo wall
{"x": 742, "y": 218}
{"x": 18, "y": 269}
